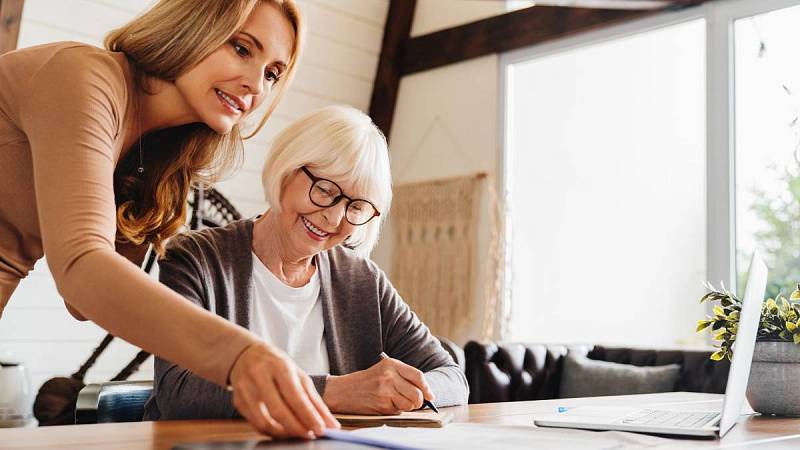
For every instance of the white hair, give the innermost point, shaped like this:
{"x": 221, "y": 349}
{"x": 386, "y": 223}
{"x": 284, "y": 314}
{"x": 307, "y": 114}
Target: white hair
{"x": 340, "y": 143}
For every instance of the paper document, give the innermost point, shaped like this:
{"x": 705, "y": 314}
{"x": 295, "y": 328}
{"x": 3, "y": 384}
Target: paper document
{"x": 405, "y": 419}
{"x": 471, "y": 436}
{"x": 353, "y": 438}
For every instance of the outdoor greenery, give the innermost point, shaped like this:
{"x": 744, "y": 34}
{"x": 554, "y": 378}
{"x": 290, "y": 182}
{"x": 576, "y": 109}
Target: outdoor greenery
{"x": 780, "y": 319}
{"x": 780, "y": 236}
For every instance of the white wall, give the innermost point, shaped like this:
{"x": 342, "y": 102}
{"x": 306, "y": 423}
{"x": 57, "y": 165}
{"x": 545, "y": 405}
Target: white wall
{"x": 435, "y": 15}
{"x": 445, "y": 125}
{"x": 339, "y": 65}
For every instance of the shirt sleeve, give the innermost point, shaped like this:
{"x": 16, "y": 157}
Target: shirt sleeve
{"x": 72, "y": 116}
{"x": 406, "y": 338}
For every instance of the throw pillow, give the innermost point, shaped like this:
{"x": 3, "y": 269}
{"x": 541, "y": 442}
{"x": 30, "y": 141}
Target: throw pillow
{"x": 584, "y": 377}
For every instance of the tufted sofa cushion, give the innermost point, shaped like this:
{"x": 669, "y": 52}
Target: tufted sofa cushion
{"x": 516, "y": 371}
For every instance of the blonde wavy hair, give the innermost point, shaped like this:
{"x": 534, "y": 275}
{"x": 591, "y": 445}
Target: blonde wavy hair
{"x": 166, "y": 41}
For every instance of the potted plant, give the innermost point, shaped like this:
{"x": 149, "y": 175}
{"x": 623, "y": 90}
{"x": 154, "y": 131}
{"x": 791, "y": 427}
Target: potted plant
{"x": 774, "y": 386}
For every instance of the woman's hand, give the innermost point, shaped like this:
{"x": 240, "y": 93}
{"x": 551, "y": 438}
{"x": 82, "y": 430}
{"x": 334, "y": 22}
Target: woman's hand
{"x": 389, "y": 387}
{"x": 276, "y": 397}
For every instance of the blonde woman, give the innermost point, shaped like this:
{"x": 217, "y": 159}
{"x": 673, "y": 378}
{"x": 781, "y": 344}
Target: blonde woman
{"x": 98, "y": 149}
{"x": 300, "y": 277}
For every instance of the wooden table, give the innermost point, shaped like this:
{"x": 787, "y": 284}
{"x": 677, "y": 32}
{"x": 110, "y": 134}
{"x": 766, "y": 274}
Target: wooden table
{"x": 751, "y": 431}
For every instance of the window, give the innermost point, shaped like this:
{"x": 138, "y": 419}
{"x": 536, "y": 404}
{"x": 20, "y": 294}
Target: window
{"x": 638, "y": 164}
{"x": 767, "y": 143}
{"x": 607, "y": 184}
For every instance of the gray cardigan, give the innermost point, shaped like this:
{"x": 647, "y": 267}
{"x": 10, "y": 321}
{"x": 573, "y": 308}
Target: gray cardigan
{"x": 363, "y": 316}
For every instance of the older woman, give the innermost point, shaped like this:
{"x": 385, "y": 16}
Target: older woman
{"x": 298, "y": 276}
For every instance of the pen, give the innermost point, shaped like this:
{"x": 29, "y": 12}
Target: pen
{"x": 426, "y": 403}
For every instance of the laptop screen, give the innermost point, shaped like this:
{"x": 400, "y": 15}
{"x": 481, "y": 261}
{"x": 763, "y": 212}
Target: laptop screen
{"x": 745, "y": 342}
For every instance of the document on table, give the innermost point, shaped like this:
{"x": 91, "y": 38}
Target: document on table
{"x": 471, "y": 436}
{"x": 463, "y": 436}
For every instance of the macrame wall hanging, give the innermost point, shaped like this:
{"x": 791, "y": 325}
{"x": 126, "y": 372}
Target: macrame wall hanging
{"x": 435, "y": 254}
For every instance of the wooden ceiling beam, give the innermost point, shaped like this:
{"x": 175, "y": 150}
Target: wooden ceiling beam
{"x": 510, "y": 31}
{"x": 387, "y": 78}
{"x": 10, "y": 18}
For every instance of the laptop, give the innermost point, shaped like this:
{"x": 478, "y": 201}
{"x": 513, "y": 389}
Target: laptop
{"x": 684, "y": 423}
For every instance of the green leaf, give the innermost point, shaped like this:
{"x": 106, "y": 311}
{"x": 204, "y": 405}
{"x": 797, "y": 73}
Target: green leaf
{"x": 703, "y": 324}
{"x": 797, "y": 338}
{"x": 718, "y": 355}
{"x": 791, "y": 326}
{"x": 772, "y": 306}
{"x": 718, "y": 311}
{"x": 796, "y": 294}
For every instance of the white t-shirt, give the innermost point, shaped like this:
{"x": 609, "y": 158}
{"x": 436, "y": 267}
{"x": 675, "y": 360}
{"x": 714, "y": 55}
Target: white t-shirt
{"x": 290, "y": 318}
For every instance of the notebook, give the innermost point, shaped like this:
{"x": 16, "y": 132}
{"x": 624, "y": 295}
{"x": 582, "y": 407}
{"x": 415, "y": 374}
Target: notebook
{"x": 427, "y": 419}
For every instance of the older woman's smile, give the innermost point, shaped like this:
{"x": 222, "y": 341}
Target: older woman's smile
{"x": 314, "y": 231}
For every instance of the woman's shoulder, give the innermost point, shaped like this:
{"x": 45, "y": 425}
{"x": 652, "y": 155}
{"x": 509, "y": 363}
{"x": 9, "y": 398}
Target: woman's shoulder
{"x": 69, "y": 62}
{"x": 345, "y": 260}
{"x": 234, "y": 237}
{"x": 65, "y": 75}
{"x": 54, "y": 47}
{"x": 68, "y": 55}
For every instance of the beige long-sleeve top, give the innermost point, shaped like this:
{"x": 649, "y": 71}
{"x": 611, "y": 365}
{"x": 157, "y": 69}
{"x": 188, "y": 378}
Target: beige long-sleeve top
{"x": 64, "y": 115}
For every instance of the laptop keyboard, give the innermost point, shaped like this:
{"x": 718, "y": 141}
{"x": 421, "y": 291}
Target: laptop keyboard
{"x": 678, "y": 419}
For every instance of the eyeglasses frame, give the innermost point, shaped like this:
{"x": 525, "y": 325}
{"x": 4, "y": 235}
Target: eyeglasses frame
{"x": 338, "y": 198}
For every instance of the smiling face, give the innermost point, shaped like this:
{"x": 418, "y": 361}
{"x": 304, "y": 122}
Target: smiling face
{"x": 307, "y": 228}
{"x": 236, "y": 78}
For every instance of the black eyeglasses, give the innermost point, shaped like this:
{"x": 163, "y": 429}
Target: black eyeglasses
{"x": 325, "y": 193}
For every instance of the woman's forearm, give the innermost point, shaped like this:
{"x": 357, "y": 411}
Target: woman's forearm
{"x": 118, "y": 296}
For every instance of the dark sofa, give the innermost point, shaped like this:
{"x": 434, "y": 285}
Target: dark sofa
{"x": 509, "y": 372}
